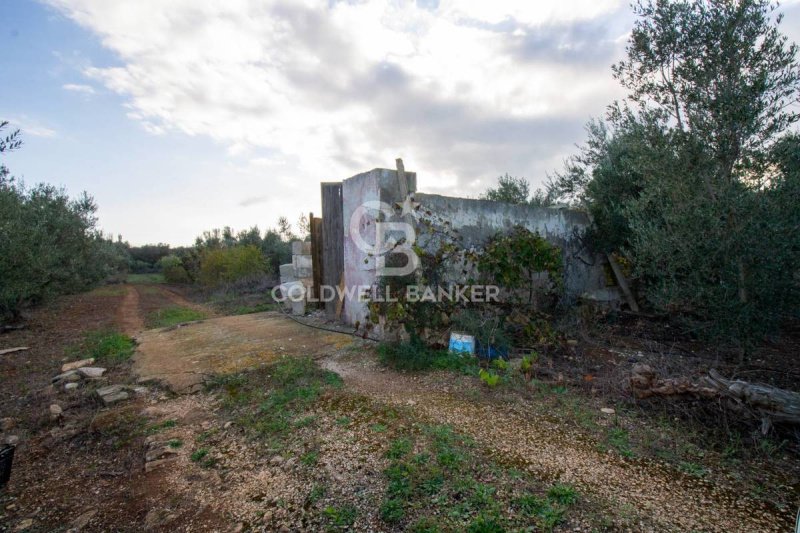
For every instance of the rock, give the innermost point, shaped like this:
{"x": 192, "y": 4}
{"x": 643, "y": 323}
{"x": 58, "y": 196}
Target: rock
{"x": 66, "y": 367}
{"x": 152, "y": 465}
{"x": 110, "y": 389}
{"x": 159, "y": 453}
{"x": 7, "y": 424}
{"x": 607, "y": 410}
{"x": 91, "y": 372}
{"x": 70, "y": 386}
{"x": 83, "y": 520}
{"x": 140, "y": 391}
{"x": 227, "y": 425}
{"x": 25, "y": 524}
{"x": 55, "y": 411}
{"x": 572, "y": 342}
{"x": 12, "y": 440}
{"x": 72, "y": 375}
{"x": 276, "y": 461}
{"x": 115, "y": 397}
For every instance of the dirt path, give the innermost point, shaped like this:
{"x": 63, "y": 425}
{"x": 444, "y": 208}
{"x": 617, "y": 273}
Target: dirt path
{"x": 129, "y": 316}
{"x": 532, "y": 440}
{"x": 183, "y": 357}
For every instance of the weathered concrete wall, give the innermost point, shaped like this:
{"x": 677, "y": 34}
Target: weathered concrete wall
{"x": 475, "y": 220}
{"x": 377, "y": 185}
{"x": 479, "y": 220}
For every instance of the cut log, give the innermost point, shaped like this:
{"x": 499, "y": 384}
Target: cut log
{"x": 769, "y": 403}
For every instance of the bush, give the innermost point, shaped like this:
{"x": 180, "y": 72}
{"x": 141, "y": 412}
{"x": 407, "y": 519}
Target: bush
{"x": 226, "y": 265}
{"x": 173, "y": 269}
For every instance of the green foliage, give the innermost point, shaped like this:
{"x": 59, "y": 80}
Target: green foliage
{"x": 562, "y": 494}
{"x": 510, "y": 190}
{"x": 341, "y": 518}
{"x": 225, "y": 265}
{"x": 170, "y": 316}
{"x": 514, "y": 260}
{"x": 173, "y": 270}
{"x": 108, "y": 347}
{"x": 268, "y": 401}
{"x": 50, "y": 246}
{"x": 490, "y": 378}
{"x": 415, "y": 355}
{"x": 199, "y": 454}
{"x": 696, "y": 185}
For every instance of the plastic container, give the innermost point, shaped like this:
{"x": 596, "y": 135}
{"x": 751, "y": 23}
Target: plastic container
{"x": 6, "y": 458}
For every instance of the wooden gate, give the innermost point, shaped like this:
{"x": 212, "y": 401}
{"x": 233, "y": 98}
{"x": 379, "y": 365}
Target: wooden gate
{"x": 332, "y": 242}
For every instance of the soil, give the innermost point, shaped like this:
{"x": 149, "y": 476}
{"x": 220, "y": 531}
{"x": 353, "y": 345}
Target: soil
{"x": 86, "y": 469}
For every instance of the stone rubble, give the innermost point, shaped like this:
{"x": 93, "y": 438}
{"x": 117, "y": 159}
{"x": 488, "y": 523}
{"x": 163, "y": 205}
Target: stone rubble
{"x": 66, "y": 367}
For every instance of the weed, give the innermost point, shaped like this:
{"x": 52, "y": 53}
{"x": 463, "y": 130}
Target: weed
{"x": 175, "y": 443}
{"x": 258, "y": 308}
{"x": 562, "y": 494}
{"x": 693, "y": 469}
{"x": 343, "y": 421}
{"x": 619, "y": 440}
{"x": 379, "y": 428}
{"x": 416, "y": 356}
{"x": 486, "y": 524}
{"x": 317, "y": 493}
{"x": 392, "y": 511}
{"x": 490, "y": 378}
{"x": 108, "y": 347}
{"x": 341, "y": 517}
{"x": 424, "y": 525}
{"x": 310, "y": 458}
{"x": 399, "y": 448}
{"x": 171, "y": 316}
{"x": 198, "y": 455}
{"x": 155, "y": 428}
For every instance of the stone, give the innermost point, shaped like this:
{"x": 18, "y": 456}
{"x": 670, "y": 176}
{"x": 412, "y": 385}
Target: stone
{"x": 91, "y": 372}
{"x": 7, "y": 423}
{"x": 83, "y": 520}
{"x": 115, "y": 397}
{"x": 70, "y": 386}
{"x": 71, "y": 375}
{"x": 110, "y": 389}
{"x": 152, "y": 465}
{"x": 24, "y": 525}
{"x": 227, "y": 425}
{"x": 276, "y": 460}
{"x": 66, "y": 367}
{"x": 159, "y": 453}
{"x": 12, "y": 440}
{"x": 607, "y": 410}
{"x": 572, "y": 342}
{"x": 55, "y": 411}
{"x": 287, "y": 273}
{"x": 140, "y": 391}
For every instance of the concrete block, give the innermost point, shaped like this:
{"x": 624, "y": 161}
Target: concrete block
{"x": 301, "y": 248}
{"x": 302, "y": 266}
{"x": 287, "y": 273}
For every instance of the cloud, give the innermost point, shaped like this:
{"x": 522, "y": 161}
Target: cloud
{"x": 464, "y": 91}
{"x": 78, "y": 88}
{"x": 29, "y": 126}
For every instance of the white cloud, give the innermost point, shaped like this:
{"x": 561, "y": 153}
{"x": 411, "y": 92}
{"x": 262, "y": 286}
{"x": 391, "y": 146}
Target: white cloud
{"x": 464, "y": 91}
{"x": 30, "y": 126}
{"x": 78, "y": 88}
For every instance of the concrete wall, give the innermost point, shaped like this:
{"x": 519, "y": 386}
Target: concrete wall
{"x": 479, "y": 220}
{"x": 475, "y": 220}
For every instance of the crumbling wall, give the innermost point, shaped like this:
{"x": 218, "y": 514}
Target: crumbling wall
{"x": 475, "y": 220}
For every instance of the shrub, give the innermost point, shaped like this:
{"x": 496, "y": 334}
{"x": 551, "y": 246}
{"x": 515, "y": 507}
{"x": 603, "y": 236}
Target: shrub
{"x": 225, "y": 265}
{"x": 173, "y": 269}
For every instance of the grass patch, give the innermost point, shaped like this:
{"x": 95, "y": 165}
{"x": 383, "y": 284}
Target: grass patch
{"x": 619, "y": 439}
{"x": 161, "y": 426}
{"x": 340, "y": 518}
{"x": 171, "y": 316}
{"x": 146, "y": 278}
{"x": 257, "y": 308}
{"x": 310, "y": 458}
{"x": 175, "y": 443}
{"x": 271, "y": 402}
{"x": 107, "y": 347}
{"x": 416, "y": 356}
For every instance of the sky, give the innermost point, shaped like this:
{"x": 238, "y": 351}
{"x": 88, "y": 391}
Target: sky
{"x": 184, "y": 115}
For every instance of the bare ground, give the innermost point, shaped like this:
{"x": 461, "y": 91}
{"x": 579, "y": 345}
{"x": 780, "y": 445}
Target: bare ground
{"x": 86, "y": 470}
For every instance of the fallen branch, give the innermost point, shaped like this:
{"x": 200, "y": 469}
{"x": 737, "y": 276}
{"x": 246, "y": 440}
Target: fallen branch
{"x": 771, "y": 404}
{"x": 12, "y": 350}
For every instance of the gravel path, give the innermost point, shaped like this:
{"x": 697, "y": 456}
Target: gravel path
{"x": 538, "y": 443}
